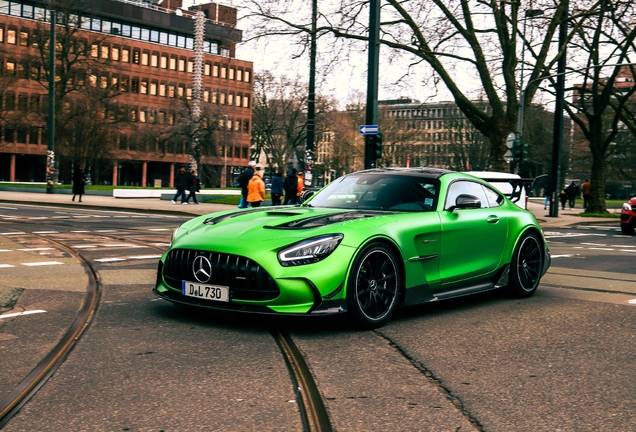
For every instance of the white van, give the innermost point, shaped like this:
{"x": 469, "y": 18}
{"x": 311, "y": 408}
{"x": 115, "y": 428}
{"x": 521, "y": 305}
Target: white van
{"x": 511, "y": 185}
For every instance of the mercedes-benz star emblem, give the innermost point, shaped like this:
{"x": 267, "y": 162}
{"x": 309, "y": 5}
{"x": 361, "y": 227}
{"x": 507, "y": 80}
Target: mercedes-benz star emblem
{"x": 202, "y": 269}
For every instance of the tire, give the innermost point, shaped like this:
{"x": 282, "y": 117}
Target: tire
{"x": 627, "y": 229}
{"x": 526, "y": 266}
{"x": 373, "y": 286}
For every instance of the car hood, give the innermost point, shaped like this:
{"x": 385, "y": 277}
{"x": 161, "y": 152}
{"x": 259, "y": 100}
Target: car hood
{"x": 274, "y": 223}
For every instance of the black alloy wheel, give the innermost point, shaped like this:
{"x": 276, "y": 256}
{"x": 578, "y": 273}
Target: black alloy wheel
{"x": 526, "y": 266}
{"x": 373, "y": 287}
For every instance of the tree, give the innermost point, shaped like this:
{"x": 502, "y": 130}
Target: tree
{"x": 454, "y": 38}
{"x": 279, "y": 118}
{"x": 601, "y": 103}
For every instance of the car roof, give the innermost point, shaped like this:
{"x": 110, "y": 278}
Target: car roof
{"x": 419, "y": 172}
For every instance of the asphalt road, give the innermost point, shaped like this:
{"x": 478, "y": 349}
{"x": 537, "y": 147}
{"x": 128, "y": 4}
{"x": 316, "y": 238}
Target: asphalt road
{"x": 559, "y": 361}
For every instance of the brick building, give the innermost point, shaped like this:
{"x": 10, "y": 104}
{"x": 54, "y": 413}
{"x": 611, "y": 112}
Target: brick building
{"x": 143, "y": 54}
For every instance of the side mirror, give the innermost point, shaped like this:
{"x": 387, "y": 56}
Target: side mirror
{"x": 306, "y": 195}
{"x": 465, "y": 201}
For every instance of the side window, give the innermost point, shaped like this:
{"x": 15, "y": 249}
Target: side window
{"x": 494, "y": 199}
{"x": 465, "y": 187}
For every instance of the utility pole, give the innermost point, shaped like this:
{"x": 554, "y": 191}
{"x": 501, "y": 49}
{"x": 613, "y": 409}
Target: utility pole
{"x": 51, "y": 176}
{"x": 557, "y": 143}
{"x": 372, "y": 81}
{"x": 311, "y": 98}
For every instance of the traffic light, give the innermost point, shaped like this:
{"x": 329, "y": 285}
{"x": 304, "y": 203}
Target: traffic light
{"x": 519, "y": 152}
{"x": 376, "y": 145}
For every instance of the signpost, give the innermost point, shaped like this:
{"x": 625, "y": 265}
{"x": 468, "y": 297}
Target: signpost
{"x": 369, "y": 129}
{"x": 510, "y": 140}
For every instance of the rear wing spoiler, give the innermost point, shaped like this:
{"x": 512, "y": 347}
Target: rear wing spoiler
{"x": 516, "y": 183}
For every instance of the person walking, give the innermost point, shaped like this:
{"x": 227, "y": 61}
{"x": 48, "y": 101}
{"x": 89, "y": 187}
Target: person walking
{"x": 193, "y": 187}
{"x": 301, "y": 187}
{"x": 572, "y": 191}
{"x": 244, "y": 180}
{"x": 563, "y": 197}
{"x": 277, "y": 189}
{"x": 586, "y": 189}
{"x": 256, "y": 189}
{"x": 290, "y": 186}
{"x": 181, "y": 183}
{"x": 79, "y": 182}
{"x": 547, "y": 193}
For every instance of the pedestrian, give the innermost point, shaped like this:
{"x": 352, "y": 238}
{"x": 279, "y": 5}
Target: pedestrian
{"x": 256, "y": 189}
{"x": 572, "y": 191}
{"x": 547, "y": 193}
{"x": 290, "y": 186}
{"x": 563, "y": 197}
{"x": 181, "y": 183}
{"x": 79, "y": 182}
{"x": 244, "y": 180}
{"x": 301, "y": 186}
{"x": 586, "y": 189}
{"x": 193, "y": 187}
{"x": 277, "y": 189}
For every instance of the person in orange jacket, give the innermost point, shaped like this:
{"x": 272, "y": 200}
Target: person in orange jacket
{"x": 256, "y": 189}
{"x": 301, "y": 184}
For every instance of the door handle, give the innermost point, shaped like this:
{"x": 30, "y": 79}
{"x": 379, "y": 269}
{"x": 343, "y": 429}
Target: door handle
{"x": 492, "y": 219}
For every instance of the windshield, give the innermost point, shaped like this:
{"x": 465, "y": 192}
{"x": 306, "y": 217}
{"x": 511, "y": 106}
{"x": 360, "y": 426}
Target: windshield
{"x": 379, "y": 192}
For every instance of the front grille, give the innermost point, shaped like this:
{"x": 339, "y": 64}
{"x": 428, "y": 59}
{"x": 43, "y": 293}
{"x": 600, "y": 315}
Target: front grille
{"x": 247, "y": 280}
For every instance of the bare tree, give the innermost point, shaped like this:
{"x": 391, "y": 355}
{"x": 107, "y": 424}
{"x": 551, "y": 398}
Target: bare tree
{"x": 452, "y": 39}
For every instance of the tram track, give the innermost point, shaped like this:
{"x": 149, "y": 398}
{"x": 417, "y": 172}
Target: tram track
{"x": 313, "y": 412}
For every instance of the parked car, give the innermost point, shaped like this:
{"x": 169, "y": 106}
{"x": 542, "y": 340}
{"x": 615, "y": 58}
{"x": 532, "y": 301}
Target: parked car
{"x": 628, "y": 216}
{"x": 367, "y": 243}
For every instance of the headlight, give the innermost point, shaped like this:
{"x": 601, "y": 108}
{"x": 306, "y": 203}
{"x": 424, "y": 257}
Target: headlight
{"x": 627, "y": 206}
{"x": 309, "y": 251}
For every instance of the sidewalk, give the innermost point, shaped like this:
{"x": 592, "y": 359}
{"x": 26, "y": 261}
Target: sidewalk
{"x": 566, "y": 217}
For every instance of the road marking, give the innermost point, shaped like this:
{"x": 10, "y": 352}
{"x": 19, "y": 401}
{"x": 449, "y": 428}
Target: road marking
{"x": 628, "y": 250}
{"x": 102, "y": 231}
{"x": 604, "y": 249}
{"x": 158, "y": 229}
{"x": 110, "y": 259}
{"x": 632, "y": 301}
{"x": 43, "y": 263}
{"x": 6, "y": 250}
{"x": 118, "y": 245}
{"x": 144, "y": 257}
{"x": 562, "y": 256}
{"x": 45, "y": 232}
{"x": 620, "y": 246}
{"x": 160, "y": 244}
{"x": 11, "y": 315}
{"x": 6, "y": 265}
{"x": 13, "y": 233}
{"x": 84, "y": 231}
{"x": 550, "y": 234}
{"x": 593, "y": 244}
{"x": 84, "y": 246}
{"x": 9, "y": 208}
{"x": 35, "y": 249}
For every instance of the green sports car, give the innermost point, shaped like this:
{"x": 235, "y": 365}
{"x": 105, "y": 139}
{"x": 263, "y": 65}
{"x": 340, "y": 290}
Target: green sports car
{"x": 367, "y": 243}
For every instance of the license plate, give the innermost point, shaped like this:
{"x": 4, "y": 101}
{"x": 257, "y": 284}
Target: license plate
{"x": 208, "y": 292}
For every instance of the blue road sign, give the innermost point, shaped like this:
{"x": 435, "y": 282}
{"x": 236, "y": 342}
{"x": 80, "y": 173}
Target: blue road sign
{"x": 369, "y": 129}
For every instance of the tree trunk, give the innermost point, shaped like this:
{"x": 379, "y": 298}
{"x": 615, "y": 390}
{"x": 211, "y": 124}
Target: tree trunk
{"x": 597, "y": 182}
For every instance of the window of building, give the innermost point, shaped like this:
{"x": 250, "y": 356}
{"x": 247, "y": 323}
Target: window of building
{"x": 237, "y": 125}
{"x": 114, "y": 83}
{"x": 171, "y": 90}
{"x": 134, "y": 85}
{"x": 215, "y": 70}
{"x": 12, "y": 36}
{"x": 162, "y": 117}
{"x": 143, "y": 88}
{"x": 94, "y": 50}
{"x": 133, "y": 115}
{"x": 151, "y": 116}
{"x": 182, "y": 64}
{"x": 103, "y": 81}
{"x": 162, "y": 90}
{"x": 153, "y": 88}
{"x": 34, "y": 103}
{"x": 173, "y": 63}
{"x": 92, "y": 80}
{"x": 171, "y": 118}
{"x": 105, "y": 51}
{"x": 189, "y": 93}
{"x": 223, "y": 71}
{"x": 164, "y": 62}
{"x": 230, "y": 99}
{"x": 154, "y": 60}
{"x": 123, "y": 84}
{"x": 114, "y": 53}
{"x": 142, "y": 116}
{"x": 222, "y": 98}
{"x": 180, "y": 91}
{"x": 144, "y": 58}
{"x": 24, "y": 38}
{"x": 246, "y": 101}
{"x": 246, "y": 78}
{"x": 11, "y": 67}
{"x": 215, "y": 97}
{"x": 136, "y": 56}
{"x": 34, "y": 135}
{"x": 207, "y": 69}
{"x": 238, "y": 100}
{"x": 232, "y": 73}
{"x": 190, "y": 66}
{"x": 239, "y": 74}
{"x": 23, "y": 103}
{"x": 246, "y": 127}
{"x": 1, "y": 34}
{"x": 206, "y": 95}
